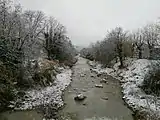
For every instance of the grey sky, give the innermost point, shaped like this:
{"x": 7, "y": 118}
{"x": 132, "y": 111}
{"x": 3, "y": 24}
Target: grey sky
{"x": 88, "y": 20}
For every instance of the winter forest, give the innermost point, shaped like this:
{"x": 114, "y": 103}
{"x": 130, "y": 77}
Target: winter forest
{"x": 44, "y": 76}
{"x": 27, "y": 37}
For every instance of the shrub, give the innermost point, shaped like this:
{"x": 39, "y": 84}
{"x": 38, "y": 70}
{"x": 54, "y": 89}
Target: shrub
{"x": 6, "y": 86}
{"x": 151, "y": 84}
{"x": 44, "y": 72}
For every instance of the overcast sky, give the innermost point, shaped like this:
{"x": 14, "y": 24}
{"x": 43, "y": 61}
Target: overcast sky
{"x": 88, "y": 20}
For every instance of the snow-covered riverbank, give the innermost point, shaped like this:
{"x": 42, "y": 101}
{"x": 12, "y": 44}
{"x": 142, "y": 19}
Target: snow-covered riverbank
{"x": 132, "y": 79}
{"x": 47, "y": 95}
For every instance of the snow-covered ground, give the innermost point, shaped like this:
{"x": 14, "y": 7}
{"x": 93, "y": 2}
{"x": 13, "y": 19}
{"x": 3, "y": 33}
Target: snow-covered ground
{"x": 131, "y": 79}
{"x": 47, "y": 95}
{"x": 98, "y": 68}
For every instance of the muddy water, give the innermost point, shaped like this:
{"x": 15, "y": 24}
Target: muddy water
{"x": 94, "y": 107}
{"x": 21, "y": 115}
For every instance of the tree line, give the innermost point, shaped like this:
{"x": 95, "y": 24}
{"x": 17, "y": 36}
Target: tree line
{"x": 26, "y": 35}
{"x": 119, "y": 44}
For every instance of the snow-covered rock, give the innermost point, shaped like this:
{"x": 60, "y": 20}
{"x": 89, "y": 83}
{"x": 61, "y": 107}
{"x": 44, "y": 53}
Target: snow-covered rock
{"x": 99, "y": 85}
{"x": 103, "y": 81}
{"x": 98, "y": 68}
{"x": 105, "y": 98}
{"x": 82, "y": 75}
{"x": 80, "y": 97}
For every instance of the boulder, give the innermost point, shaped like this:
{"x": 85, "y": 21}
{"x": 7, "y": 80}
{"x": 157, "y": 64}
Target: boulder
{"x": 84, "y": 104}
{"x": 82, "y": 75}
{"x": 84, "y": 90}
{"x": 105, "y": 98}
{"x": 92, "y": 76}
{"x": 80, "y": 97}
{"x": 99, "y": 74}
{"x": 103, "y": 81}
{"x": 99, "y": 86}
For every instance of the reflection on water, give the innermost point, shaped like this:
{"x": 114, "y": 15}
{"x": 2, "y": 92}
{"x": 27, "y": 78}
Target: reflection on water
{"x": 21, "y": 115}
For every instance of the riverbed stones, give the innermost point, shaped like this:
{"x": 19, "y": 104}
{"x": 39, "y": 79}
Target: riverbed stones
{"x": 75, "y": 88}
{"x": 99, "y": 74}
{"x": 99, "y": 85}
{"x": 80, "y": 97}
{"x": 92, "y": 76}
{"x": 105, "y": 98}
{"x": 84, "y": 90}
{"x": 84, "y": 104}
{"x": 82, "y": 75}
{"x": 104, "y": 81}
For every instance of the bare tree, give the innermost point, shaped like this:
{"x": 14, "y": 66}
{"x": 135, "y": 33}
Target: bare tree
{"x": 34, "y": 24}
{"x": 151, "y": 34}
{"x": 53, "y": 32}
{"x": 139, "y": 42}
{"x": 4, "y": 13}
{"x": 21, "y": 40}
{"x": 118, "y": 36}
{"x": 57, "y": 43}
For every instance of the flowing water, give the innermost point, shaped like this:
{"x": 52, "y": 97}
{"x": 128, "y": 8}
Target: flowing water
{"x": 21, "y": 115}
{"x": 95, "y": 106}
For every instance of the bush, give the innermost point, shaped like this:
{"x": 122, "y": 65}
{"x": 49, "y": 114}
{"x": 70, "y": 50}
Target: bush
{"x": 6, "y": 94}
{"x": 7, "y": 80}
{"x": 71, "y": 62}
{"x": 151, "y": 84}
{"x": 10, "y": 60}
{"x": 44, "y": 71}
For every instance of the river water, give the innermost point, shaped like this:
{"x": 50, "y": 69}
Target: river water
{"x": 21, "y": 115}
{"x": 95, "y": 106}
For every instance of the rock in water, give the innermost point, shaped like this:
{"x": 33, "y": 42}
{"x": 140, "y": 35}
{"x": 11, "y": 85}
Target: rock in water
{"x": 84, "y": 104}
{"x": 82, "y": 75}
{"x": 103, "y": 81}
{"x": 92, "y": 76}
{"x": 99, "y": 74}
{"x": 80, "y": 97}
{"x": 105, "y": 98}
{"x": 99, "y": 86}
{"x": 84, "y": 90}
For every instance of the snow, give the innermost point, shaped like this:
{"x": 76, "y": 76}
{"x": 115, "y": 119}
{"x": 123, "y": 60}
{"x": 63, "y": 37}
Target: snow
{"x": 133, "y": 95}
{"x": 51, "y": 94}
{"x": 98, "y": 68}
{"x": 131, "y": 80}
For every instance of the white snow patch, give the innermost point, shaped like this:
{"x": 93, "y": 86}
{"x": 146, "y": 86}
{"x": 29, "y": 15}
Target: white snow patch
{"x": 98, "y": 68}
{"x": 51, "y": 94}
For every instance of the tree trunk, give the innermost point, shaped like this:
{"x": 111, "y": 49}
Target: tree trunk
{"x": 140, "y": 54}
{"x": 121, "y": 61}
{"x": 49, "y": 55}
{"x": 120, "y": 55}
{"x": 120, "y": 58}
{"x": 150, "y": 53}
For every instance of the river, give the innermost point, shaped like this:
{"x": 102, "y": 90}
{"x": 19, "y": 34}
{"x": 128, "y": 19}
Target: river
{"x": 101, "y": 103}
